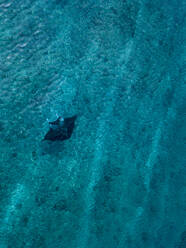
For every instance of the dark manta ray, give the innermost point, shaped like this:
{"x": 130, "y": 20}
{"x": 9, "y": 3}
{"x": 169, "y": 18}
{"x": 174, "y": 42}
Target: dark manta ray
{"x": 60, "y": 129}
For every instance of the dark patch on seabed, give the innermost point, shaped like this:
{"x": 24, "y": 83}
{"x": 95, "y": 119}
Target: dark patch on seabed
{"x": 119, "y": 179}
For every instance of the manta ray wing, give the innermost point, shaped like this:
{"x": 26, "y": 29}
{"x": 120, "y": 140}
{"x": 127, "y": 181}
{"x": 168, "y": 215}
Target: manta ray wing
{"x": 61, "y": 132}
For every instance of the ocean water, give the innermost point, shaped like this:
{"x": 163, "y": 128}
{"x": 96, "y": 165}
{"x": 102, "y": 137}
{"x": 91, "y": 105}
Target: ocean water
{"x": 119, "y": 181}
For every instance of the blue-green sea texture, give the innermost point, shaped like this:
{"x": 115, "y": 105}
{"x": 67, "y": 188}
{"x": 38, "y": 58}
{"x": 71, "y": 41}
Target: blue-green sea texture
{"x": 119, "y": 181}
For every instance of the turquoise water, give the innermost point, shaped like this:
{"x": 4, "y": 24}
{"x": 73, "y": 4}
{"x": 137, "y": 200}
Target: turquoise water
{"x": 119, "y": 181}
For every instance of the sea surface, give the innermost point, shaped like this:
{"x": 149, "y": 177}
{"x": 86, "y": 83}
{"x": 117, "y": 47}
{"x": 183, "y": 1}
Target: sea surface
{"x": 120, "y": 180}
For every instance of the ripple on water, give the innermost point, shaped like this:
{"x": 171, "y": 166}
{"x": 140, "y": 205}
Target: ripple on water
{"x": 22, "y": 45}
{"x": 6, "y": 5}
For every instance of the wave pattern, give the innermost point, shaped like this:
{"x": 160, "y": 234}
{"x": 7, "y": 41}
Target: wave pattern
{"x": 119, "y": 180}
